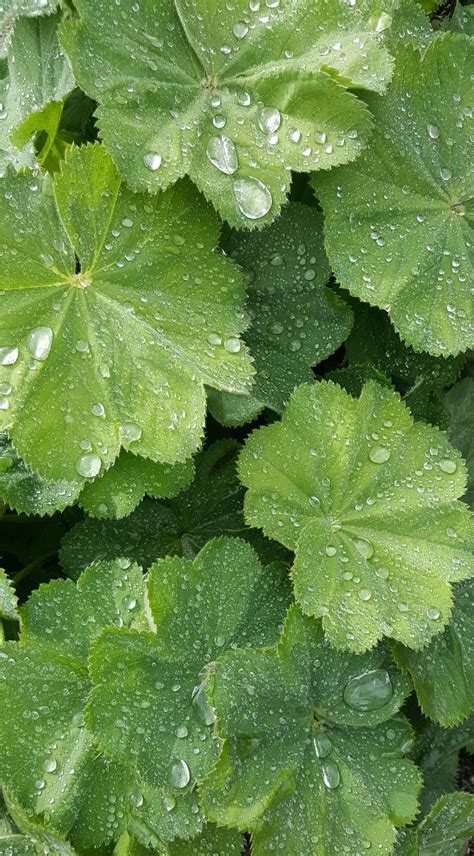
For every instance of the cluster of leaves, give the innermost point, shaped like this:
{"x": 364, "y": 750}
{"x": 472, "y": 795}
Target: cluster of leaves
{"x": 236, "y": 427}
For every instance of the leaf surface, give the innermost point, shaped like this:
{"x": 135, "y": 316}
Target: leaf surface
{"x": 8, "y": 598}
{"x": 399, "y": 223}
{"x": 365, "y": 497}
{"x": 459, "y": 403}
{"x": 446, "y": 830}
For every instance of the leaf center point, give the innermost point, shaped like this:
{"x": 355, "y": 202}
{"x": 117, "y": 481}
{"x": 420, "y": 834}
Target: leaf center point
{"x": 81, "y": 280}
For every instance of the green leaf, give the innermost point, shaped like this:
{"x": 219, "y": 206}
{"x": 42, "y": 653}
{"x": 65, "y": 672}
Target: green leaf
{"x": 210, "y": 842}
{"x": 365, "y": 497}
{"x": 313, "y": 751}
{"x": 199, "y": 610}
{"x": 230, "y": 96}
{"x": 443, "y": 673}
{"x": 419, "y": 377}
{"x": 446, "y": 830}
{"x": 462, "y": 20}
{"x": 8, "y": 598}
{"x": 398, "y": 223}
{"x": 11, "y": 10}
{"x": 49, "y": 762}
{"x": 25, "y": 491}
{"x": 459, "y": 403}
{"x": 118, "y": 492}
{"x": 32, "y": 93}
{"x": 210, "y": 506}
{"x": 296, "y": 321}
{"x": 232, "y": 410}
{"x": 20, "y": 837}
{"x": 96, "y": 362}
{"x": 436, "y": 753}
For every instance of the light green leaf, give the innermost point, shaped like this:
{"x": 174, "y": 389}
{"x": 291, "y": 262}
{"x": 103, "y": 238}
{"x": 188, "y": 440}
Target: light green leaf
{"x": 210, "y": 506}
{"x": 232, "y": 410}
{"x": 118, "y": 492}
{"x": 409, "y": 26}
{"x": 25, "y": 491}
{"x": 118, "y": 353}
{"x": 296, "y": 321}
{"x": 199, "y": 610}
{"x": 365, "y": 497}
{"x": 398, "y": 224}
{"x": 436, "y": 753}
{"x": 233, "y": 97}
{"x": 313, "y": 751}
{"x": 8, "y": 598}
{"x": 20, "y": 837}
{"x": 459, "y": 403}
{"x": 49, "y": 762}
{"x": 462, "y": 20}
{"x": 31, "y": 95}
{"x": 445, "y": 831}
{"x": 443, "y": 673}
{"x": 10, "y": 10}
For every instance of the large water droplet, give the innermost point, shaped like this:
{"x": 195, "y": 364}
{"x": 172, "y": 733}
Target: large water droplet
{"x": 322, "y": 745}
{"x": 222, "y": 153}
{"x": 364, "y": 547}
{"x": 240, "y": 30}
{"x": 379, "y": 454}
{"x": 202, "y": 709}
{"x": 448, "y": 466}
{"x": 232, "y": 345}
{"x": 253, "y": 197}
{"x": 130, "y": 432}
{"x": 8, "y": 356}
{"x": 269, "y": 120}
{"x": 179, "y": 774}
{"x": 152, "y": 161}
{"x": 369, "y": 691}
{"x": 89, "y": 466}
{"x": 331, "y": 775}
{"x": 39, "y": 342}
{"x": 50, "y": 765}
{"x": 433, "y": 131}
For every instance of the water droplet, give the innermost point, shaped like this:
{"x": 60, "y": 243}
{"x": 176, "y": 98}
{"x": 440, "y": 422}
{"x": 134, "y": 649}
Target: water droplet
{"x": 219, "y": 121}
{"x": 364, "y": 547}
{"x": 127, "y": 222}
{"x": 365, "y": 594}
{"x": 98, "y": 409}
{"x": 402, "y": 607}
{"x": 203, "y": 711}
{"x": 152, "y": 161}
{"x": 330, "y": 550}
{"x": 447, "y": 465}
{"x": 130, "y": 432}
{"x": 445, "y": 174}
{"x": 253, "y": 198}
{"x": 269, "y": 120}
{"x": 222, "y": 153}
{"x": 169, "y": 803}
{"x": 182, "y": 731}
{"x": 89, "y": 466}
{"x": 240, "y": 30}
{"x": 8, "y": 356}
{"x": 294, "y": 135}
{"x": 433, "y": 131}
{"x": 50, "y": 765}
{"x": 379, "y": 454}
{"x": 232, "y": 345}
{"x": 433, "y": 613}
{"x": 39, "y": 342}
{"x": 4, "y": 404}
{"x": 322, "y": 745}
{"x": 331, "y": 775}
{"x": 214, "y": 339}
{"x": 369, "y": 691}
{"x": 179, "y": 774}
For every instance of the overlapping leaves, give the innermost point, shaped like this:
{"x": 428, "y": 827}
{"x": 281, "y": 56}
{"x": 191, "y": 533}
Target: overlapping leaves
{"x": 234, "y": 96}
{"x": 94, "y": 351}
{"x": 313, "y": 751}
{"x": 399, "y": 224}
{"x": 365, "y": 497}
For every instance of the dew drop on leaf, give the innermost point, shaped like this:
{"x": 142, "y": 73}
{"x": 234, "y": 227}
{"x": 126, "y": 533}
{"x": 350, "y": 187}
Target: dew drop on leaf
{"x": 8, "y": 356}
{"x": 253, "y": 197}
{"x": 202, "y": 709}
{"x": 152, "y": 161}
{"x": 331, "y": 775}
{"x": 179, "y": 774}
{"x": 379, "y": 454}
{"x": 39, "y": 342}
{"x": 232, "y": 345}
{"x": 364, "y": 547}
{"x": 222, "y": 153}
{"x": 322, "y": 745}
{"x": 89, "y": 466}
{"x": 269, "y": 120}
{"x": 369, "y": 691}
{"x": 240, "y": 30}
{"x": 130, "y": 432}
{"x": 447, "y": 466}
{"x": 433, "y": 613}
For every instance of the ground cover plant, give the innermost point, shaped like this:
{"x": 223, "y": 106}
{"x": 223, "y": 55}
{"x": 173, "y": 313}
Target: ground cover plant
{"x": 236, "y": 428}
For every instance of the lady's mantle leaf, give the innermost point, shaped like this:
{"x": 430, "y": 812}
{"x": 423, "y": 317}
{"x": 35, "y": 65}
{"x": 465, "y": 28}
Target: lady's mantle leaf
{"x": 459, "y": 403}
{"x": 8, "y": 598}
{"x": 436, "y": 754}
{"x": 25, "y": 491}
{"x": 210, "y": 506}
{"x": 49, "y": 763}
{"x": 11, "y": 10}
{"x": 118, "y": 492}
{"x": 210, "y": 842}
{"x": 445, "y": 831}
{"x": 365, "y": 498}
{"x": 31, "y": 95}
{"x": 443, "y": 673}
{"x": 117, "y": 353}
{"x": 20, "y": 837}
{"x": 296, "y": 321}
{"x": 398, "y": 227}
{"x": 235, "y": 96}
{"x": 149, "y": 702}
{"x": 312, "y": 755}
